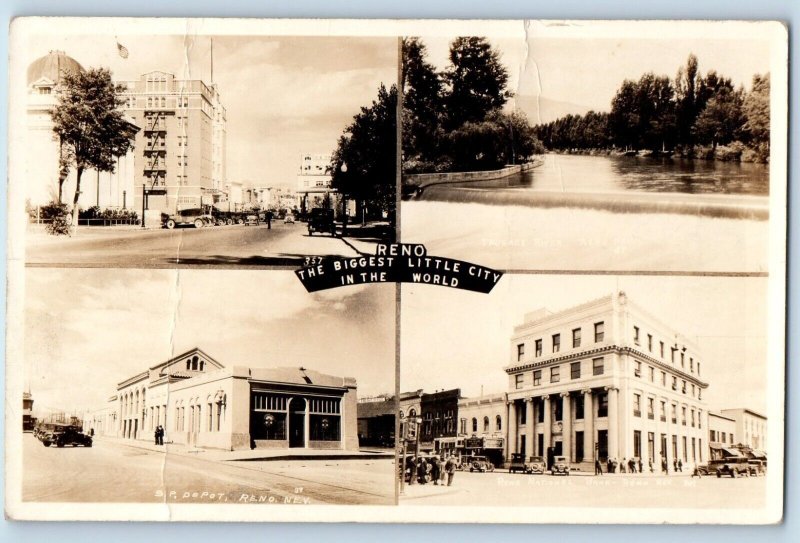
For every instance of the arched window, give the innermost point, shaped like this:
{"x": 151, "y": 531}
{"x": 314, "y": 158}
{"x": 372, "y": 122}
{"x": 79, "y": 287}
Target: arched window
{"x": 201, "y": 365}
{"x": 194, "y": 363}
{"x": 485, "y": 424}
{"x": 498, "y": 422}
{"x": 188, "y": 364}
{"x": 474, "y": 424}
{"x": 412, "y": 413}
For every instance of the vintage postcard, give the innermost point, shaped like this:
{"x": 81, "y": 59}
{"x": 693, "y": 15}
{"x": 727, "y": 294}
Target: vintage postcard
{"x": 396, "y": 271}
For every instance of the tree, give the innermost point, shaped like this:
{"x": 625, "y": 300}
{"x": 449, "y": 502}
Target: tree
{"x": 363, "y": 166}
{"x": 756, "y": 111}
{"x": 422, "y": 104}
{"x": 90, "y": 125}
{"x": 686, "y": 100}
{"x": 721, "y": 120}
{"x": 476, "y": 82}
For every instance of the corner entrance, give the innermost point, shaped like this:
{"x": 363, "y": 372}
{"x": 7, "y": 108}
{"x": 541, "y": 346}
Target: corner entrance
{"x": 297, "y": 422}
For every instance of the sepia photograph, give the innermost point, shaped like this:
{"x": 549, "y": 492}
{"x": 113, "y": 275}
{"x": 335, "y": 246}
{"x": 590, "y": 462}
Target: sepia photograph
{"x": 198, "y": 387}
{"x": 140, "y": 150}
{"x": 655, "y": 398}
{"x": 596, "y": 146}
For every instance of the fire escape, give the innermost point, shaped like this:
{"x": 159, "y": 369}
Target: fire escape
{"x": 155, "y": 154}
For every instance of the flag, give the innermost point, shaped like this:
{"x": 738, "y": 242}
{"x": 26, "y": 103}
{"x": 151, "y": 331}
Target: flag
{"x": 123, "y": 51}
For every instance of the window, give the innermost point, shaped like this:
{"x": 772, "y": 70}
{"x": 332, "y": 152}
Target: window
{"x": 674, "y": 414}
{"x": 637, "y": 443}
{"x": 210, "y": 411}
{"x": 650, "y": 342}
{"x": 486, "y": 424}
{"x": 538, "y": 347}
{"x": 462, "y": 425}
{"x": 651, "y": 408}
{"x": 637, "y": 369}
{"x": 637, "y": 405}
{"x": 636, "y": 335}
{"x": 498, "y": 423}
{"x": 663, "y": 412}
{"x": 698, "y": 368}
{"x": 520, "y": 351}
{"x": 683, "y": 416}
{"x": 576, "y": 338}
{"x": 558, "y": 405}
{"x": 692, "y": 418}
{"x": 523, "y": 415}
{"x": 691, "y": 364}
{"x": 555, "y": 374}
{"x": 518, "y": 380}
{"x": 661, "y": 348}
{"x": 663, "y": 378}
{"x": 474, "y": 425}
{"x": 575, "y": 370}
{"x": 598, "y": 366}
{"x": 537, "y": 378}
{"x": 693, "y": 389}
{"x": 674, "y": 383}
{"x": 539, "y": 410}
{"x": 700, "y": 419}
{"x": 599, "y": 331}
{"x": 602, "y": 404}
{"x": 683, "y": 386}
{"x": 683, "y": 360}
{"x": 556, "y": 342}
{"x": 579, "y": 402}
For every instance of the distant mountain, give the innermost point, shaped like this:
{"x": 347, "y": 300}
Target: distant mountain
{"x": 543, "y": 110}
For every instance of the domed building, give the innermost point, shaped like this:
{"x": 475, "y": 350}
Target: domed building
{"x": 41, "y": 147}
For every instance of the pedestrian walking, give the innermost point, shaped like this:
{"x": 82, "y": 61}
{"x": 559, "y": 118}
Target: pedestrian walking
{"x": 450, "y": 468}
{"x": 680, "y": 465}
{"x": 155, "y": 436}
{"x": 598, "y": 470}
{"x": 160, "y": 431}
{"x": 640, "y": 466}
{"x": 664, "y": 464}
{"x": 675, "y": 466}
{"x": 269, "y": 220}
{"x": 436, "y": 468}
{"x": 632, "y": 465}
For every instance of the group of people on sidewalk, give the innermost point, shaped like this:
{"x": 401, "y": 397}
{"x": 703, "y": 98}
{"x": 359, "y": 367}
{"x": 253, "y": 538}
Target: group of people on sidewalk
{"x": 433, "y": 469}
{"x": 159, "y": 435}
{"x": 634, "y": 465}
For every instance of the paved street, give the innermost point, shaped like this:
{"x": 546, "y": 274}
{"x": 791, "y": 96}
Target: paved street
{"x": 504, "y": 489}
{"x": 112, "y": 472}
{"x": 217, "y": 246}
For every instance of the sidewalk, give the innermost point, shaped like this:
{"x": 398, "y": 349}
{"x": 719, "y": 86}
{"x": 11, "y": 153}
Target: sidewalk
{"x": 219, "y": 455}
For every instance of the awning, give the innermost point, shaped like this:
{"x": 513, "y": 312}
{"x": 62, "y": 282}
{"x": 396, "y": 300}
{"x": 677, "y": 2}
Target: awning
{"x": 758, "y": 454}
{"x": 731, "y": 452}
{"x": 716, "y": 445}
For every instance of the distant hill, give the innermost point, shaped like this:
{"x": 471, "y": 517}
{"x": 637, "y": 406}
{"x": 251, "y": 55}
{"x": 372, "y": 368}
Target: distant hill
{"x": 543, "y": 110}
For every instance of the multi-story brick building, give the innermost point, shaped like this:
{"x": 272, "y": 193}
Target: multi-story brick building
{"x": 605, "y": 380}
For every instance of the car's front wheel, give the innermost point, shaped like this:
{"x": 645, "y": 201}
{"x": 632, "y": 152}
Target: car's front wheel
{"x": 170, "y": 224}
{"x": 199, "y": 223}
{"x": 46, "y": 443}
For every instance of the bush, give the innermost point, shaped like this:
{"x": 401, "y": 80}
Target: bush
{"x": 58, "y": 219}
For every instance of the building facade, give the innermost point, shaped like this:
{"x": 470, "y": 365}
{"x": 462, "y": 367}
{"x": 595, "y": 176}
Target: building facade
{"x": 605, "y": 380}
{"x": 200, "y": 402}
{"x": 721, "y": 435}
{"x": 439, "y": 413}
{"x": 41, "y": 148}
{"x": 180, "y": 152}
{"x": 482, "y": 426}
{"x": 27, "y": 412}
{"x": 751, "y": 427}
{"x": 376, "y": 421}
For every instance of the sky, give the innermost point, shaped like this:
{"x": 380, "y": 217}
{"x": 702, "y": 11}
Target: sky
{"x": 284, "y": 96}
{"x": 117, "y": 323}
{"x": 573, "y": 75}
{"x": 453, "y": 339}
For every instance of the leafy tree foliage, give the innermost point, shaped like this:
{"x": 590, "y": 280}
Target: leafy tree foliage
{"x": 756, "y": 111}
{"x": 363, "y": 166}
{"x": 423, "y": 103}
{"x": 89, "y": 123}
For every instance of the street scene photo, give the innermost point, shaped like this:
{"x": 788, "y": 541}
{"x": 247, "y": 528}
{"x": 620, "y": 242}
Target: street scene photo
{"x": 201, "y": 150}
{"x": 625, "y": 392}
{"x": 597, "y": 146}
{"x": 224, "y": 387}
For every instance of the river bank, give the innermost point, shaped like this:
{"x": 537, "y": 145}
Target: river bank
{"x": 734, "y": 152}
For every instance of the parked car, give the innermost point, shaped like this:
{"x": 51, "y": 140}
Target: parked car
{"x": 321, "y": 220}
{"x": 560, "y": 466}
{"x": 195, "y": 216}
{"x": 734, "y": 466}
{"x": 251, "y": 219}
{"x": 538, "y": 464}
{"x": 480, "y": 463}
{"x": 518, "y": 464}
{"x": 62, "y": 436}
{"x": 288, "y": 219}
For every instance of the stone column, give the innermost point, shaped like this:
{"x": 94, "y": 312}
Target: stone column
{"x": 507, "y": 447}
{"x": 566, "y": 425}
{"x": 531, "y": 425}
{"x": 588, "y": 425}
{"x": 613, "y": 423}
{"x": 512, "y": 429}
{"x": 548, "y": 421}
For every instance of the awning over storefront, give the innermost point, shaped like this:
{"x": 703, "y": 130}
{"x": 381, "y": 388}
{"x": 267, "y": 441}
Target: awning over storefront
{"x": 758, "y": 454}
{"x": 731, "y": 452}
{"x": 715, "y": 445}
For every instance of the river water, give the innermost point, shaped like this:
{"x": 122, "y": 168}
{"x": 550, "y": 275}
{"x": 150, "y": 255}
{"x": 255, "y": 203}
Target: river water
{"x": 584, "y": 173}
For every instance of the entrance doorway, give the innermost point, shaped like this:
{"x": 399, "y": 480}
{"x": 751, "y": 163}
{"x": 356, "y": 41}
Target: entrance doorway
{"x": 297, "y": 422}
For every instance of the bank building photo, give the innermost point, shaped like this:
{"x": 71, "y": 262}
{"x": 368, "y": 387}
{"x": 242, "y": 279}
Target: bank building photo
{"x": 605, "y": 380}
{"x": 202, "y": 403}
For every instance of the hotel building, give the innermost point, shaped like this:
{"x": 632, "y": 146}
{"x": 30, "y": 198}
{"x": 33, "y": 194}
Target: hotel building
{"x": 200, "y": 402}
{"x": 605, "y": 380}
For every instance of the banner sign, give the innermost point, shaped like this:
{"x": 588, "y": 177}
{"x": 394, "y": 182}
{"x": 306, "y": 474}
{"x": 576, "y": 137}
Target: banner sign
{"x": 398, "y": 263}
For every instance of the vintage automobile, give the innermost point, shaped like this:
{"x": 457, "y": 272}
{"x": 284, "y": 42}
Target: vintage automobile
{"x": 321, "y": 220}
{"x": 757, "y": 467}
{"x": 288, "y": 219}
{"x": 560, "y": 466}
{"x": 537, "y": 464}
{"x": 733, "y": 466}
{"x": 480, "y": 463}
{"x": 518, "y": 464}
{"x": 62, "y": 436}
{"x": 196, "y": 217}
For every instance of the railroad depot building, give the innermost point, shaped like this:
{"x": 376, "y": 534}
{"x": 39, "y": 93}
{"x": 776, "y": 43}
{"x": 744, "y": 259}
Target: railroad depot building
{"x": 605, "y": 379}
{"x": 200, "y": 402}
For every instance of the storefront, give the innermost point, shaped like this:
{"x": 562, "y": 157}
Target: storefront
{"x": 490, "y": 447}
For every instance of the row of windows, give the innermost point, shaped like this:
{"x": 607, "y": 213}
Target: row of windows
{"x": 716, "y": 435}
{"x": 696, "y": 416}
{"x": 598, "y": 368}
{"x": 696, "y": 447}
{"x": 690, "y": 388}
{"x": 675, "y": 351}
{"x": 599, "y": 336}
{"x": 498, "y": 424}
